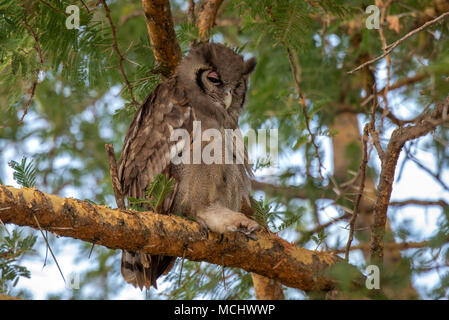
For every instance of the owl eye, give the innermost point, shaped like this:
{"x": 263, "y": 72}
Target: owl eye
{"x": 213, "y": 77}
{"x": 237, "y": 86}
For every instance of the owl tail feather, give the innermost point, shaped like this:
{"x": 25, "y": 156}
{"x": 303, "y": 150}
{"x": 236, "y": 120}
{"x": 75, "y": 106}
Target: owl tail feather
{"x": 142, "y": 269}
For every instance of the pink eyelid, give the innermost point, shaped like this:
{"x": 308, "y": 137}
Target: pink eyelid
{"x": 213, "y": 74}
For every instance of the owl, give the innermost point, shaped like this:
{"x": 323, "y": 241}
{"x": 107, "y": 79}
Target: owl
{"x": 209, "y": 88}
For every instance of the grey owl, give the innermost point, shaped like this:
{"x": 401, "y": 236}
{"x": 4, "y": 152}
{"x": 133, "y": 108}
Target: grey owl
{"x": 209, "y": 86}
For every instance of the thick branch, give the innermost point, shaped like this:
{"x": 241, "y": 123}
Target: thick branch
{"x": 162, "y": 35}
{"x": 266, "y": 288}
{"x": 148, "y": 232}
{"x": 206, "y": 17}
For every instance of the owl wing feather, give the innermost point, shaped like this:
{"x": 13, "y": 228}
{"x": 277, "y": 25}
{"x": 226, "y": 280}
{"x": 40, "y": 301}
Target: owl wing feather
{"x": 146, "y": 153}
{"x": 147, "y": 146}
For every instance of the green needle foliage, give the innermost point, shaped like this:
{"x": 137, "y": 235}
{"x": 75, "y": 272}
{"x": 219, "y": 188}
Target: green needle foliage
{"x": 24, "y": 173}
{"x": 156, "y": 193}
{"x": 12, "y": 248}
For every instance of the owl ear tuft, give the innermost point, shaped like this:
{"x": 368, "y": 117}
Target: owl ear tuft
{"x": 250, "y": 65}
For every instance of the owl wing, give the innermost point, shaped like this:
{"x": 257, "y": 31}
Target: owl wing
{"x": 147, "y": 153}
{"x": 147, "y": 147}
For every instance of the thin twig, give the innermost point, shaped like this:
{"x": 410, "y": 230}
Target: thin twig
{"x": 48, "y": 246}
{"x": 388, "y": 60}
{"x": 295, "y": 67}
{"x": 35, "y": 36}
{"x": 3, "y": 223}
{"x": 85, "y": 6}
{"x": 388, "y": 245}
{"x": 91, "y": 249}
{"x": 46, "y": 253}
{"x": 223, "y": 272}
{"x": 372, "y": 127}
{"x": 119, "y": 54}
{"x": 362, "y": 171}
{"x": 397, "y": 85}
{"x": 392, "y": 46}
{"x": 182, "y": 266}
{"x": 116, "y": 185}
{"x": 54, "y": 8}
{"x": 30, "y": 99}
{"x": 41, "y": 61}
{"x": 442, "y": 203}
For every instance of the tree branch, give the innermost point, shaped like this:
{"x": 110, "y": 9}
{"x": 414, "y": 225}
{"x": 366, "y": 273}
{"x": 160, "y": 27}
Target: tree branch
{"x": 390, "y": 246}
{"x": 166, "y": 49}
{"x": 206, "y": 17}
{"x": 266, "y": 288}
{"x": 418, "y": 202}
{"x": 362, "y": 171}
{"x": 119, "y": 197}
{"x": 398, "y": 138}
{"x": 168, "y": 235}
{"x": 119, "y": 54}
{"x": 398, "y": 42}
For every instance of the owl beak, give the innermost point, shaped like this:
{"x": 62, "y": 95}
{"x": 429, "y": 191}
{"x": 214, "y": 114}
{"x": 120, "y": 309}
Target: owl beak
{"x": 228, "y": 98}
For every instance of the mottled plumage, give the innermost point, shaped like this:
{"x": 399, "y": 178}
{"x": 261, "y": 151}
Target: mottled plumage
{"x": 215, "y": 194}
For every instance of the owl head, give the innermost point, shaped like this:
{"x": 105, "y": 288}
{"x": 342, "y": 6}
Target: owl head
{"x": 216, "y": 76}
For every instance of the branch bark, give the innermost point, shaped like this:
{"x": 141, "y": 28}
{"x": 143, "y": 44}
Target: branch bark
{"x": 266, "y": 288}
{"x": 166, "y": 49}
{"x": 206, "y": 17}
{"x": 389, "y": 161}
{"x": 168, "y": 235}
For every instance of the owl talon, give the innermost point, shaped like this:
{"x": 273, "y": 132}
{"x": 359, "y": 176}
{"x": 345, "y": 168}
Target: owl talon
{"x": 245, "y": 226}
{"x": 248, "y": 233}
{"x": 223, "y": 220}
{"x": 204, "y": 229}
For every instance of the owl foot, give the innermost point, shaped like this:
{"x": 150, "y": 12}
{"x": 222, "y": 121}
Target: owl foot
{"x": 221, "y": 220}
{"x": 245, "y": 226}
